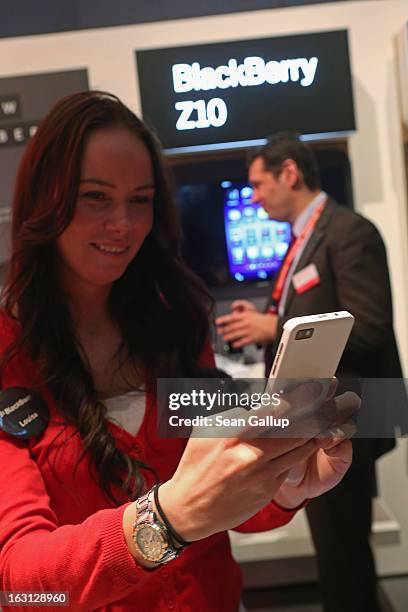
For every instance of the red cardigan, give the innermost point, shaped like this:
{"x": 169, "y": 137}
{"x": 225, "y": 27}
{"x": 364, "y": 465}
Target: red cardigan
{"x": 58, "y": 533}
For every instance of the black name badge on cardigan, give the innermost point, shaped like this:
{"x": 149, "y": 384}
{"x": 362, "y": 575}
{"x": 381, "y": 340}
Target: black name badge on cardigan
{"x": 306, "y": 278}
{"x": 23, "y": 413}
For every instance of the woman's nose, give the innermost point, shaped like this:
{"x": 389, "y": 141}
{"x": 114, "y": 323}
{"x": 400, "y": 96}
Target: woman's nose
{"x": 119, "y": 220}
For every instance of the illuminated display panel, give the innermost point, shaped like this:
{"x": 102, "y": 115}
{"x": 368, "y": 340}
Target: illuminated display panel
{"x": 225, "y": 94}
{"x": 227, "y": 239}
{"x": 255, "y": 244}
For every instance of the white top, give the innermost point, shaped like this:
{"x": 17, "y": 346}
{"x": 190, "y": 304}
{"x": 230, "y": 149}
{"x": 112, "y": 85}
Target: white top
{"x": 127, "y": 410}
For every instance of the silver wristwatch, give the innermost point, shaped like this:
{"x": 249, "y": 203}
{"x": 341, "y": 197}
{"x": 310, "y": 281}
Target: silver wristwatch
{"x": 150, "y": 535}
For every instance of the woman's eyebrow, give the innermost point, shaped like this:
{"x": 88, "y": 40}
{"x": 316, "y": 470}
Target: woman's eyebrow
{"x": 145, "y": 186}
{"x": 106, "y": 184}
{"x": 98, "y": 181}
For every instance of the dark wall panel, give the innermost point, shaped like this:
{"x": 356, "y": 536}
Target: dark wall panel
{"x": 25, "y": 17}
{"x": 121, "y": 12}
{"x": 24, "y": 100}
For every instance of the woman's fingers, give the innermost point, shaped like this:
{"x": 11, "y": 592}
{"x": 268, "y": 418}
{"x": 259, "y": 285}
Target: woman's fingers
{"x": 341, "y": 408}
{"x": 336, "y": 435}
{"x": 269, "y": 449}
{"x": 334, "y": 383}
{"x": 296, "y": 474}
{"x": 342, "y": 451}
{"x": 284, "y": 463}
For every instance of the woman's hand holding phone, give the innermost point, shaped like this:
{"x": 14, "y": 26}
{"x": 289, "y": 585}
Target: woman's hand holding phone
{"x": 333, "y": 456}
{"x": 222, "y": 482}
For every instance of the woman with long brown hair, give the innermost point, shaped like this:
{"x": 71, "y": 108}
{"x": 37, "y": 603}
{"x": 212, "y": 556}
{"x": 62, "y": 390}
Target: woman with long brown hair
{"x": 97, "y": 306}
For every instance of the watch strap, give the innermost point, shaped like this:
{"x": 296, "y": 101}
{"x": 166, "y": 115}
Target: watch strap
{"x": 145, "y": 515}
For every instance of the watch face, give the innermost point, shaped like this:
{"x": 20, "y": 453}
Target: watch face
{"x": 150, "y": 541}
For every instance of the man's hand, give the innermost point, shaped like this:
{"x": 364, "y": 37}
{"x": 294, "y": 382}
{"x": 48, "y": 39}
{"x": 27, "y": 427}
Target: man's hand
{"x": 245, "y": 325}
{"x": 242, "y": 306}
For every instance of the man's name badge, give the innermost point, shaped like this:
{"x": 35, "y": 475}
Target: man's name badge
{"x": 305, "y": 279}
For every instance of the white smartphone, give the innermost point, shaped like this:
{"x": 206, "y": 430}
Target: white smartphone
{"x": 310, "y": 348}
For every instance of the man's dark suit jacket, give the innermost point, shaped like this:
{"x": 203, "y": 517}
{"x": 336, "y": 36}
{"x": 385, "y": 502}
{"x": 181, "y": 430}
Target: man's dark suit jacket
{"x": 350, "y": 257}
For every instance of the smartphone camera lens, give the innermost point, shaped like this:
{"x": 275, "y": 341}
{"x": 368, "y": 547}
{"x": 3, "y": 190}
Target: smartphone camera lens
{"x": 304, "y": 334}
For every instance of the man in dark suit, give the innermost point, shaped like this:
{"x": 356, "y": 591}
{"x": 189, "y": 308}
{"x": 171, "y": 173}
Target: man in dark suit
{"x": 337, "y": 261}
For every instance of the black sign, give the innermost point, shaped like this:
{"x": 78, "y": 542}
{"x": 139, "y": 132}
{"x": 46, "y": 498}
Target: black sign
{"x": 241, "y": 91}
{"x": 24, "y": 101}
{"x": 17, "y": 133}
{"x": 10, "y": 107}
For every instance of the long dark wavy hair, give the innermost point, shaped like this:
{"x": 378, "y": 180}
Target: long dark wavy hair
{"x": 160, "y": 307}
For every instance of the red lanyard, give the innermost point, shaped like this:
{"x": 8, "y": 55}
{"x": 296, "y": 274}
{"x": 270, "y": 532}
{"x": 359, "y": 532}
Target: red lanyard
{"x": 290, "y": 256}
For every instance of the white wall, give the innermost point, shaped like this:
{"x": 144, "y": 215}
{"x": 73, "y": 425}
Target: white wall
{"x": 376, "y": 149}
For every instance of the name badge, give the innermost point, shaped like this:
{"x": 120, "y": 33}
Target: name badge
{"x": 23, "y": 413}
{"x": 305, "y": 279}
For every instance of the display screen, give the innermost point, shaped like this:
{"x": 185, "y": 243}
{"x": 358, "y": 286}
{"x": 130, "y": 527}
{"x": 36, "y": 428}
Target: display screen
{"x": 220, "y": 94}
{"x": 228, "y": 239}
{"x": 255, "y": 244}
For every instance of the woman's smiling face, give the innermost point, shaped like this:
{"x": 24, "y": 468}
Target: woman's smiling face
{"x": 114, "y": 210}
